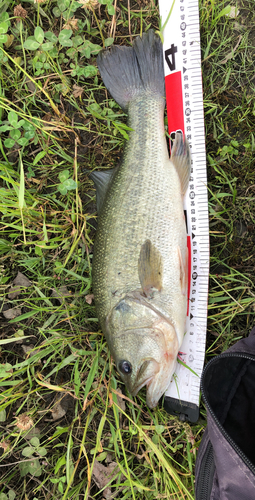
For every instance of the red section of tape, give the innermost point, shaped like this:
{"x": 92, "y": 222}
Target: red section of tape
{"x": 174, "y": 102}
{"x": 175, "y": 116}
{"x": 189, "y": 271}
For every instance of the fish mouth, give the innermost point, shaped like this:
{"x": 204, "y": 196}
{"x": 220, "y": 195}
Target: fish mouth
{"x": 136, "y": 389}
{"x": 145, "y": 375}
{"x": 158, "y": 385}
{"x": 152, "y": 396}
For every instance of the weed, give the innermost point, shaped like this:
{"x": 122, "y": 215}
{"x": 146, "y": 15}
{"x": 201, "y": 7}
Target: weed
{"x": 10, "y": 496}
{"x": 66, "y": 183}
{"x": 32, "y": 466}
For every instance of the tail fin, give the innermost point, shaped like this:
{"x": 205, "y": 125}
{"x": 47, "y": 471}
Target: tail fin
{"x": 128, "y": 71}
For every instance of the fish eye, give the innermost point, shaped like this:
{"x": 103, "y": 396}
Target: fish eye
{"x": 125, "y": 367}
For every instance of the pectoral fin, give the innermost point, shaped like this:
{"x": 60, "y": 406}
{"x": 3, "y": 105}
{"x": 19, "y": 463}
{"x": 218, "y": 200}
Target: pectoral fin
{"x": 102, "y": 181}
{"x": 181, "y": 159}
{"x": 183, "y": 271}
{"x": 150, "y": 268}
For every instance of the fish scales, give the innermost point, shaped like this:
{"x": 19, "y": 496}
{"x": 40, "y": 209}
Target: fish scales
{"x": 141, "y": 204}
{"x": 142, "y": 218}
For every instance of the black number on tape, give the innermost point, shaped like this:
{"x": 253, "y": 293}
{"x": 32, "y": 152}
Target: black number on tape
{"x": 171, "y": 53}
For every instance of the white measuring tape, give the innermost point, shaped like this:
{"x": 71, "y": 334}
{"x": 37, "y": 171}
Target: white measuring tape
{"x": 184, "y": 99}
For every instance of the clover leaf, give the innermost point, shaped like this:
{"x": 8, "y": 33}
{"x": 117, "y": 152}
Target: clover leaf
{"x": 64, "y": 38}
{"x": 66, "y": 183}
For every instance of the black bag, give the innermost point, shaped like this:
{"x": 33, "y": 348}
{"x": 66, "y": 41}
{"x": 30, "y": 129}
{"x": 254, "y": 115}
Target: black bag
{"x": 225, "y": 467}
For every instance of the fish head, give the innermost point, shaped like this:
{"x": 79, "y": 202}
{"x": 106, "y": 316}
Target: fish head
{"x": 144, "y": 346}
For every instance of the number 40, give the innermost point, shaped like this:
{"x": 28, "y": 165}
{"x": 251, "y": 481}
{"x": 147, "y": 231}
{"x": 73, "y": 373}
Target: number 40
{"x": 170, "y": 57}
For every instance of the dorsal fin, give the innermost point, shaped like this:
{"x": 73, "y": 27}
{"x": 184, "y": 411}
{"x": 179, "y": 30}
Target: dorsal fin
{"x": 102, "y": 181}
{"x": 150, "y": 268}
{"x": 181, "y": 159}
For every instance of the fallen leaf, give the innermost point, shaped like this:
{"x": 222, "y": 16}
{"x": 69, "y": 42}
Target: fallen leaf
{"x": 61, "y": 405}
{"x": 89, "y": 298}
{"x": 9, "y": 41}
{"x": 102, "y": 475}
{"x": 121, "y": 402}
{"x": 19, "y": 11}
{"x": 47, "y": 117}
{"x": 30, "y": 350}
{"x": 234, "y": 11}
{"x": 58, "y": 411}
{"x": 26, "y": 348}
{"x": 30, "y": 85}
{"x": 19, "y": 333}
{"x": 14, "y": 292}
{"x": 12, "y": 313}
{"x": 22, "y": 280}
{"x": 17, "y": 60}
{"x": 77, "y": 91}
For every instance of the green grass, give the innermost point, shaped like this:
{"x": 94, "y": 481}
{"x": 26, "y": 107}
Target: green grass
{"x": 63, "y": 409}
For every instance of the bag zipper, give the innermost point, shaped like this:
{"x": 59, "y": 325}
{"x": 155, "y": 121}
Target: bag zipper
{"x": 206, "y": 474}
{"x": 239, "y": 452}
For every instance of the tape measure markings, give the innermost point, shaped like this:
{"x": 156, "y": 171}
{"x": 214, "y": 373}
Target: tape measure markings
{"x": 182, "y": 63}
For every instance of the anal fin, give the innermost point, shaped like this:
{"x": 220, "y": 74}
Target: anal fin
{"x": 181, "y": 159}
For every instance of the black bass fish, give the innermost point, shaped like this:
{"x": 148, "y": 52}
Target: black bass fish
{"x": 140, "y": 253}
